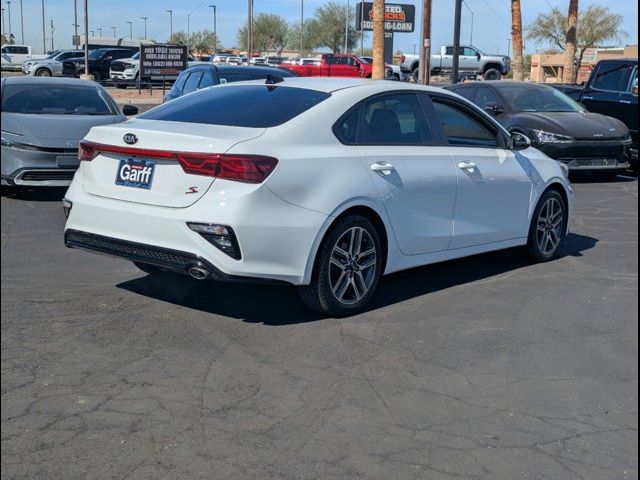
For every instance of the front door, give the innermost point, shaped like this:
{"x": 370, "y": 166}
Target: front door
{"x": 415, "y": 177}
{"x": 494, "y": 184}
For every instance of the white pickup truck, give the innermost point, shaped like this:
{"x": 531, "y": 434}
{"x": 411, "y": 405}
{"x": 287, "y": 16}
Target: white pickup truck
{"x": 472, "y": 61}
{"x": 14, "y": 55}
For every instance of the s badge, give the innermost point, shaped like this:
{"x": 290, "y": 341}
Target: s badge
{"x": 191, "y": 191}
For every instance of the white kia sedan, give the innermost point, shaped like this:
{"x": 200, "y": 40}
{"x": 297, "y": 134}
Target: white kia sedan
{"x": 322, "y": 183}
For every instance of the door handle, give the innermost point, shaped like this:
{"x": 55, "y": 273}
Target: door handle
{"x": 587, "y": 98}
{"x": 468, "y": 166}
{"x": 628, "y": 102}
{"x": 382, "y": 167}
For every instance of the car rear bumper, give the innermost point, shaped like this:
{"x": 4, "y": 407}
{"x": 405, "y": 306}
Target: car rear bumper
{"x": 38, "y": 168}
{"x": 275, "y": 238}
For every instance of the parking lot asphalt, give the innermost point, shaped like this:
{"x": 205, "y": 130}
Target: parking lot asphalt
{"x": 483, "y": 368}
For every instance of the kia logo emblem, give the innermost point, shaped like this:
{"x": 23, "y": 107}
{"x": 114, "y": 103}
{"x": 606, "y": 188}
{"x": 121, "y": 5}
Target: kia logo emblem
{"x": 130, "y": 138}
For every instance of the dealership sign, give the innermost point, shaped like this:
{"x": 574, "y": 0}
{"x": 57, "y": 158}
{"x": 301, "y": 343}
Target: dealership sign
{"x": 397, "y": 18}
{"x": 162, "y": 60}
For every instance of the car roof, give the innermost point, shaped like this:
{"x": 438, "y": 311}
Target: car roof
{"x": 28, "y": 80}
{"x": 334, "y": 84}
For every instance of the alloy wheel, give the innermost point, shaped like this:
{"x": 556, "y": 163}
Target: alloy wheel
{"x": 352, "y": 268}
{"x": 550, "y": 226}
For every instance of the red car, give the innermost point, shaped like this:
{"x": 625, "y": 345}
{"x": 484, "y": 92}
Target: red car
{"x": 336, "y": 65}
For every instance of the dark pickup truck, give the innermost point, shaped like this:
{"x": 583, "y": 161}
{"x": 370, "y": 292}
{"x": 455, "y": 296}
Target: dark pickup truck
{"x": 99, "y": 62}
{"x": 612, "y": 90}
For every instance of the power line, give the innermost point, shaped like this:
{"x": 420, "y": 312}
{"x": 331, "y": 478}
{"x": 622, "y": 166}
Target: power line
{"x": 500, "y": 17}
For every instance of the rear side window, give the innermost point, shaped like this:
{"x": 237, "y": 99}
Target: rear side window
{"x": 207, "y": 79}
{"x": 461, "y": 128}
{"x": 252, "y": 106}
{"x": 191, "y": 85}
{"x": 486, "y": 96}
{"x": 466, "y": 92}
{"x": 613, "y": 78}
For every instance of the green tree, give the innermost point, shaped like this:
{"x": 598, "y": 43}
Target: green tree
{"x": 270, "y": 33}
{"x": 310, "y": 39}
{"x": 596, "y": 25}
{"x": 200, "y": 42}
{"x": 331, "y": 22}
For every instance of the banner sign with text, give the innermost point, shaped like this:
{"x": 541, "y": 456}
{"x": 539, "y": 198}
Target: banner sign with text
{"x": 397, "y": 18}
{"x": 162, "y": 60}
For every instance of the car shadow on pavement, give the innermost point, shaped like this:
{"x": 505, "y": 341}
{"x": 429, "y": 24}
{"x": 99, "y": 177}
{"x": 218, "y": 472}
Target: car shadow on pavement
{"x": 277, "y": 306}
{"x": 35, "y": 194}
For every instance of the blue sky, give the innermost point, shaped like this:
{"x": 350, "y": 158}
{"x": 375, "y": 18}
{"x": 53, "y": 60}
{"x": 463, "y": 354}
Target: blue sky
{"x": 491, "y": 18}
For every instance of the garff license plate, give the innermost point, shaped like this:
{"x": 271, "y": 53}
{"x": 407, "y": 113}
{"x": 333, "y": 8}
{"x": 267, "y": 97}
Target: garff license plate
{"x": 135, "y": 173}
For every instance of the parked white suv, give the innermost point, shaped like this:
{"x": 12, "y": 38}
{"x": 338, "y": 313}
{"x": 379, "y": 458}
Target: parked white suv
{"x": 50, "y": 66}
{"x": 125, "y": 72}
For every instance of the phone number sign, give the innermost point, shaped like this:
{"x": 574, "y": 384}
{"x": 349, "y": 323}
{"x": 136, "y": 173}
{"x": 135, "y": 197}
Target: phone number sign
{"x": 162, "y": 60}
{"x": 397, "y": 18}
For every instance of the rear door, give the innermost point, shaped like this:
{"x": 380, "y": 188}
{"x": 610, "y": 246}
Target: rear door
{"x": 606, "y": 87}
{"x": 411, "y": 168}
{"x": 629, "y": 104}
{"x": 494, "y": 186}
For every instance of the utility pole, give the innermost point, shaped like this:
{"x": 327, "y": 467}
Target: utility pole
{"x": 145, "y": 26}
{"x": 75, "y": 19}
{"x": 52, "y": 29}
{"x": 301, "y": 28}
{"x": 250, "y": 32}
{"x": 21, "y": 25}
{"x": 456, "y": 41}
{"x": 99, "y": 31}
{"x": 362, "y": 27}
{"x": 215, "y": 29}
{"x": 86, "y": 40}
{"x": 114, "y": 31}
{"x": 346, "y": 31}
{"x": 425, "y": 48}
{"x": 378, "y": 40}
{"x": 170, "y": 12}
{"x": 44, "y": 36}
{"x": 9, "y": 17}
{"x": 130, "y": 30}
{"x": 3, "y": 30}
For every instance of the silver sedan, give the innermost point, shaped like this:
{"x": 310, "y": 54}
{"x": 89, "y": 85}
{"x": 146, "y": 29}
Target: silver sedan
{"x": 43, "y": 119}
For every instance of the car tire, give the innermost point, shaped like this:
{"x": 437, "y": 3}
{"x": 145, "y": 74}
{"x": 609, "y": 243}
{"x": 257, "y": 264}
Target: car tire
{"x": 492, "y": 74}
{"x": 607, "y": 176}
{"x": 415, "y": 75}
{"x": 548, "y": 227}
{"x": 43, "y": 72}
{"x": 96, "y": 76}
{"x": 347, "y": 269}
{"x": 121, "y": 86}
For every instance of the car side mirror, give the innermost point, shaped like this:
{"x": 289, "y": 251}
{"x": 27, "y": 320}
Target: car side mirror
{"x": 494, "y": 108}
{"x": 129, "y": 110}
{"x": 519, "y": 141}
{"x": 478, "y": 56}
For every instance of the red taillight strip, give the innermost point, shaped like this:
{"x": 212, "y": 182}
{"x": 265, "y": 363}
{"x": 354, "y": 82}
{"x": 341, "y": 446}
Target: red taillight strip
{"x": 239, "y": 168}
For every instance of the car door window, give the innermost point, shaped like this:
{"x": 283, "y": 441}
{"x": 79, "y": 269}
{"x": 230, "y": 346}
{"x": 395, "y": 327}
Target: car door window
{"x": 396, "y": 119}
{"x": 207, "y": 79}
{"x": 463, "y": 128}
{"x": 449, "y": 51}
{"x": 22, "y": 50}
{"x": 633, "y": 84}
{"x": 612, "y": 78}
{"x": 486, "y": 96}
{"x": 468, "y": 52}
{"x": 191, "y": 85}
{"x": 179, "y": 85}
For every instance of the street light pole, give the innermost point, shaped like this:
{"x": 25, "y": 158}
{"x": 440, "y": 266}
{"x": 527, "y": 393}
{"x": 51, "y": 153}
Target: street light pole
{"x": 52, "y": 29}
{"x": 170, "y": 12}
{"x": 86, "y": 38}
{"x": 3, "y": 30}
{"x": 250, "y": 33}
{"x": 145, "y": 26}
{"x": 21, "y": 25}
{"x": 44, "y": 36}
{"x": 130, "y": 30}
{"x": 114, "y": 31}
{"x": 9, "y": 17}
{"x": 215, "y": 29}
{"x": 99, "y": 31}
{"x": 456, "y": 41}
{"x": 301, "y": 28}
{"x": 75, "y": 19}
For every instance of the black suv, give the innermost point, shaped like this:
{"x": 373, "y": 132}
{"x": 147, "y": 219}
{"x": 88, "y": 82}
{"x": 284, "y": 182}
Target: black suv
{"x": 99, "y": 62}
{"x": 207, "y": 75}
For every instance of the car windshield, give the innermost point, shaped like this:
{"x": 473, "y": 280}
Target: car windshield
{"x": 136, "y": 56}
{"x": 53, "y": 55}
{"x": 56, "y": 100}
{"x": 96, "y": 54}
{"x": 538, "y": 98}
{"x": 251, "y": 106}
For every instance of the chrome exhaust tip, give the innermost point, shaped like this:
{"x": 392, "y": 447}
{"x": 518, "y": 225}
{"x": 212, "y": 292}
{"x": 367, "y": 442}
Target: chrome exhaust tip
{"x": 198, "y": 272}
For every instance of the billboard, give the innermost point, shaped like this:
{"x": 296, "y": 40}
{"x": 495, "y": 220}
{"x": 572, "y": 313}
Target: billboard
{"x": 397, "y": 18}
{"x": 157, "y": 61}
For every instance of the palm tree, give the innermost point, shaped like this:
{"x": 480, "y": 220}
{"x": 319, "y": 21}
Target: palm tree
{"x": 570, "y": 74}
{"x": 378, "y": 40}
{"x": 516, "y": 33}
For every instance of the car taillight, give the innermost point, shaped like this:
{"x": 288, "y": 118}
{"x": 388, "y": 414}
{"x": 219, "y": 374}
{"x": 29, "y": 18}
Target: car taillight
{"x": 238, "y": 168}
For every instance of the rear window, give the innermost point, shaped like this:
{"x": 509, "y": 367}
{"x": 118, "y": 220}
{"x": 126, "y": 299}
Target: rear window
{"x": 252, "y": 106}
{"x": 56, "y": 100}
